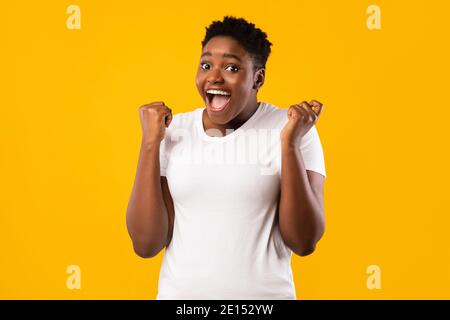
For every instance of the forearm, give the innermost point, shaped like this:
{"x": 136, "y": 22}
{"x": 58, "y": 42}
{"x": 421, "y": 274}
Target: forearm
{"x": 301, "y": 218}
{"x": 147, "y": 219}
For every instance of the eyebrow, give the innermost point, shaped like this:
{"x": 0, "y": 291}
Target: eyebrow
{"x": 225, "y": 55}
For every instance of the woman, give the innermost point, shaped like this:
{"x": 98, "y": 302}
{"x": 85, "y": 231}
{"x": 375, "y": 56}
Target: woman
{"x": 230, "y": 189}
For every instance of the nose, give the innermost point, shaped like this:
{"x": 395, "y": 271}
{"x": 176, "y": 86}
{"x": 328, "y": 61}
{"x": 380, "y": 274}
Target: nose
{"x": 214, "y": 76}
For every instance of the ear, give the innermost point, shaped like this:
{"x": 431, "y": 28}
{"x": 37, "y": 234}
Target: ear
{"x": 259, "y": 78}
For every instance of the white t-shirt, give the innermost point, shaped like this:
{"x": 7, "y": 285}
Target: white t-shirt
{"x": 226, "y": 242}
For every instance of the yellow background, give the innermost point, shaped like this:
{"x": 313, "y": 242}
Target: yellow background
{"x": 70, "y": 137}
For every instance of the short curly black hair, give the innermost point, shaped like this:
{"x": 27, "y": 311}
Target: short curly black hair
{"x": 252, "y": 39}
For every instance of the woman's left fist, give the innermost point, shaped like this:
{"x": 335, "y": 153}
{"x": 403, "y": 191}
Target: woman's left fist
{"x": 301, "y": 118}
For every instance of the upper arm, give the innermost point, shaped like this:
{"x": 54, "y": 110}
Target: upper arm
{"x": 169, "y": 205}
{"x": 316, "y": 181}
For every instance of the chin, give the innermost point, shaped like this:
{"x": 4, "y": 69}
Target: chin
{"x": 218, "y": 119}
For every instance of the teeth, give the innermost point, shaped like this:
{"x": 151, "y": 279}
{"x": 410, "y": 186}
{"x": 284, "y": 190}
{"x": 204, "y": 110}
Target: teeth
{"x": 218, "y": 92}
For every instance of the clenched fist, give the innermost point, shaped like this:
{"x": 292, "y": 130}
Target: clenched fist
{"x": 155, "y": 118}
{"x": 301, "y": 118}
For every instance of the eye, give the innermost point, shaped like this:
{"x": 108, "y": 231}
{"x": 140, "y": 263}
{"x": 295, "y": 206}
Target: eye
{"x": 232, "y": 66}
{"x": 204, "y": 65}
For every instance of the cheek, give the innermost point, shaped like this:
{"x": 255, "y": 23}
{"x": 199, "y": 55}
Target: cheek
{"x": 199, "y": 81}
{"x": 243, "y": 86}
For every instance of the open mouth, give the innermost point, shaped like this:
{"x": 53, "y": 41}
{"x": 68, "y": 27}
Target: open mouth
{"x": 217, "y": 100}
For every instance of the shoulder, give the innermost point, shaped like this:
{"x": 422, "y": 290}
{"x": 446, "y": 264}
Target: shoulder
{"x": 270, "y": 109}
{"x": 184, "y": 119}
{"x": 272, "y": 115}
{"x": 182, "y": 125}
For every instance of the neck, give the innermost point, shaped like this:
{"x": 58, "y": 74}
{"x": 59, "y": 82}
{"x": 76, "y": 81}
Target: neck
{"x": 242, "y": 117}
{"x": 236, "y": 122}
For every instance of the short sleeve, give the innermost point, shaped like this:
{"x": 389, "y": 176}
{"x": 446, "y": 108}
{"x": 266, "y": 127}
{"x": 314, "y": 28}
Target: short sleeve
{"x": 312, "y": 152}
{"x": 163, "y": 159}
{"x": 167, "y": 144}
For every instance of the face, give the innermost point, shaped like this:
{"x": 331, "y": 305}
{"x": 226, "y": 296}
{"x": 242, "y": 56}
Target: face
{"x": 225, "y": 66}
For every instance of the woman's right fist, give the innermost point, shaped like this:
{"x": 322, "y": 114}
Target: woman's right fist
{"x": 155, "y": 117}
